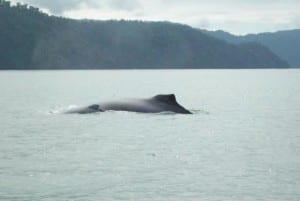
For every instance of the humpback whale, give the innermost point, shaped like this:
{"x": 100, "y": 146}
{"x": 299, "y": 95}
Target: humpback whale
{"x": 156, "y": 104}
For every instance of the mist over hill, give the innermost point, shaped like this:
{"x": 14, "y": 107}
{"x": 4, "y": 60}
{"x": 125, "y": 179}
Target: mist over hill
{"x": 30, "y": 39}
{"x": 285, "y": 44}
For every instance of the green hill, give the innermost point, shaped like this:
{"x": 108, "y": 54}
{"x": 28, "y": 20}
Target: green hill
{"x": 285, "y": 44}
{"x": 30, "y": 39}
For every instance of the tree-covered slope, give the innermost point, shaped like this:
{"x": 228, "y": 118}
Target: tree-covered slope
{"x": 30, "y": 39}
{"x": 285, "y": 44}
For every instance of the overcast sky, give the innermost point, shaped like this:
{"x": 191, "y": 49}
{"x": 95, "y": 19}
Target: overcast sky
{"x": 235, "y": 16}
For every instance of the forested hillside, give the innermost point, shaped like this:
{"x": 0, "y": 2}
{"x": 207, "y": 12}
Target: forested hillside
{"x": 30, "y": 39}
{"x": 285, "y": 44}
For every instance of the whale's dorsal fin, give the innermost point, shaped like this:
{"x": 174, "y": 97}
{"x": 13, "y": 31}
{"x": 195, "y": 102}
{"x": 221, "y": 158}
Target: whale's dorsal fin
{"x": 168, "y": 98}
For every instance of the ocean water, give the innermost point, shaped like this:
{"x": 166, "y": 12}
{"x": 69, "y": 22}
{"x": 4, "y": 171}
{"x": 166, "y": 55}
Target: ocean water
{"x": 241, "y": 144}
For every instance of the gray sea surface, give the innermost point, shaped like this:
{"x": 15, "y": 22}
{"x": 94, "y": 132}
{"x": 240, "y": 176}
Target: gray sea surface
{"x": 241, "y": 144}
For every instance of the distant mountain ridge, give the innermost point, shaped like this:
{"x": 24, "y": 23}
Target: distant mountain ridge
{"x": 34, "y": 40}
{"x": 285, "y": 44}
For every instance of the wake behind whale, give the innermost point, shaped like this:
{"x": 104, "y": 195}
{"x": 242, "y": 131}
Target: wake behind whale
{"x": 156, "y": 104}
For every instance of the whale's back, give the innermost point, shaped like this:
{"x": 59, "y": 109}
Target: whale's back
{"x": 156, "y": 104}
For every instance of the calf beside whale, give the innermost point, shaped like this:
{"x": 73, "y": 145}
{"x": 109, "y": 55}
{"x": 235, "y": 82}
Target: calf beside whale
{"x": 156, "y": 104}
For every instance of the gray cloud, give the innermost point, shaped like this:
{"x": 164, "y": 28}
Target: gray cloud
{"x": 124, "y": 4}
{"x": 60, "y": 6}
{"x": 56, "y": 6}
{"x": 203, "y": 23}
{"x": 238, "y": 16}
